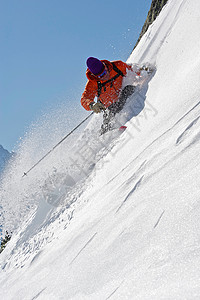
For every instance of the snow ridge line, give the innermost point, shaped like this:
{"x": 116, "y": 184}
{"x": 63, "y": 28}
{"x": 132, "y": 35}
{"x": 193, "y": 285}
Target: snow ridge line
{"x": 159, "y": 219}
{"x": 83, "y": 248}
{"x": 180, "y": 138}
{"x": 39, "y": 294}
{"x": 115, "y": 290}
{"x": 131, "y": 192}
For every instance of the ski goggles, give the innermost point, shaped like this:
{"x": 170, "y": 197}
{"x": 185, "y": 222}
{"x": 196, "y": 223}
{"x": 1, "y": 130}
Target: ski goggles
{"x": 102, "y": 74}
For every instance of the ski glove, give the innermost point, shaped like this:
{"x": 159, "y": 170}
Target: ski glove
{"x": 97, "y": 107}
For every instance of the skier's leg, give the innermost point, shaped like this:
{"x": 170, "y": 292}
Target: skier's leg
{"x": 116, "y": 107}
{"x": 125, "y": 93}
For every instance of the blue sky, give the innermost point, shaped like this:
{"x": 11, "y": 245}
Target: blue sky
{"x": 44, "y": 46}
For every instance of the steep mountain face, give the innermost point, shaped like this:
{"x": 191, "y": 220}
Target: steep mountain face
{"x": 5, "y": 155}
{"x": 130, "y": 228}
{"x": 155, "y": 9}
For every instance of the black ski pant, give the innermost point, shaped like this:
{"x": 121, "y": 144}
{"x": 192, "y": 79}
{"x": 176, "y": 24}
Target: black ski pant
{"x": 115, "y": 108}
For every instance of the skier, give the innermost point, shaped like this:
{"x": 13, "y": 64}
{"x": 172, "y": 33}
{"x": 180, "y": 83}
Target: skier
{"x": 105, "y": 82}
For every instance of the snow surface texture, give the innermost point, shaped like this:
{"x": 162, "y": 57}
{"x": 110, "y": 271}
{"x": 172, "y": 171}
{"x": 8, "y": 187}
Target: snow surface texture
{"x": 127, "y": 226}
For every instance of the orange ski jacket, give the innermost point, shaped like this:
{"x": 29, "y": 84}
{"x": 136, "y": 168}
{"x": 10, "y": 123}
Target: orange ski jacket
{"x": 110, "y": 91}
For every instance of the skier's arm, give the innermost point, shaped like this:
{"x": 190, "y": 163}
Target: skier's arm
{"x": 89, "y": 94}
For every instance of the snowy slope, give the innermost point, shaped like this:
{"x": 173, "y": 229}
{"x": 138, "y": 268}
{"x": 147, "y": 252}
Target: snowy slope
{"x": 129, "y": 229}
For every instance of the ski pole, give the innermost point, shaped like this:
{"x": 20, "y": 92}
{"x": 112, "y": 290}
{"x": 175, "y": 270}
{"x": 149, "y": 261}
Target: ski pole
{"x": 25, "y": 173}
